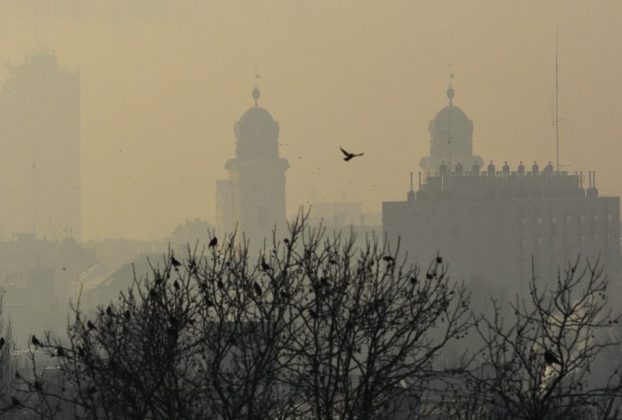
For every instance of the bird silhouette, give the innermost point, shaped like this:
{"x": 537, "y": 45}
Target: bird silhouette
{"x": 176, "y": 285}
{"x": 264, "y": 265}
{"x": 38, "y": 386}
{"x": 35, "y": 341}
{"x": 349, "y": 156}
{"x": 90, "y": 325}
{"x": 213, "y": 242}
{"x": 128, "y": 315}
{"x": 550, "y": 358}
{"x": 220, "y": 284}
{"x": 313, "y": 313}
{"x": 2, "y": 342}
{"x": 175, "y": 262}
{"x": 257, "y": 288}
{"x": 109, "y": 310}
{"x": 60, "y": 352}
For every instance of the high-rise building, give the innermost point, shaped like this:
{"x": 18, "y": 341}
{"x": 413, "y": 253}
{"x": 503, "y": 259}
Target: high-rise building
{"x": 40, "y": 150}
{"x": 253, "y": 198}
{"x": 500, "y": 223}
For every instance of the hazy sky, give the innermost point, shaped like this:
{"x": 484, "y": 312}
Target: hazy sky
{"x": 163, "y": 82}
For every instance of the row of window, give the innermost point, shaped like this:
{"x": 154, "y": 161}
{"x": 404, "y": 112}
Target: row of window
{"x": 569, "y": 219}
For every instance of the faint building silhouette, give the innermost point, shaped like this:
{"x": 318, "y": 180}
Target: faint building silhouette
{"x": 40, "y": 150}
{"x": 451, "y": 140}
{"x": 492, "y": 224}
{"x": 253, "y": 198}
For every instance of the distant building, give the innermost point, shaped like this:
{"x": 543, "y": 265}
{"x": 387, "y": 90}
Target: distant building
{"x": 492, "y": 224}
{"x": 253, "y": 198}
{"x": 40, "y": 150}
{"x": 451, "y": 140}
{"x": 337, "y": 213}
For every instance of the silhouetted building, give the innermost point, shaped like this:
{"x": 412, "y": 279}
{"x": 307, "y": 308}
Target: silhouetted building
{"x": 40, "y": 150}
{"x": 451, "y": 141}
{"x": 491, "y": 224}
{"x": 253, "y": 198}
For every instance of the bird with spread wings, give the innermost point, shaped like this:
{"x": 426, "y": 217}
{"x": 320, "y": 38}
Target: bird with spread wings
{"x": 349, "y": 156}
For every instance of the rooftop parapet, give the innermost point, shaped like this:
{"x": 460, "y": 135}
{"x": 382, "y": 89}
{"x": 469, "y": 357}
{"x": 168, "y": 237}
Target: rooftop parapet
{"x": 504, "y": 185}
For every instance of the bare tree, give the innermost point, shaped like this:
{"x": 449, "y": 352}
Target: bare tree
{"x": 370, "y": 329}
{"x": 310, "y": 327}
{"x": 540, "y": 365}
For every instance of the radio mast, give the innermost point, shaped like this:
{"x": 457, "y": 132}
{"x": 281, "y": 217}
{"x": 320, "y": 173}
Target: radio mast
{"x": 556, "y": 118}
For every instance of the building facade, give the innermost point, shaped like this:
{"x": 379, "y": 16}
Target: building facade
{"x": 252, "y": 200}
{"x": 40, "y": 150}
{"x": 497, "y": 224}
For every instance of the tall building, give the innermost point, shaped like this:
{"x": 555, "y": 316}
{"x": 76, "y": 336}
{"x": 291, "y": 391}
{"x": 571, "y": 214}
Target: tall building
{"x": 253, "y": 198}
{"x": 40, "y": 150}
{"x": 497, "y": 224}
{"x": 451, "y": 139}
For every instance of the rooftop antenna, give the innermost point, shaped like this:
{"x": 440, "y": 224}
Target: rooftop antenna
{"x": 34, "y": 187}
{"x": 556, "y": 119}
{"x": 450, "y": 96}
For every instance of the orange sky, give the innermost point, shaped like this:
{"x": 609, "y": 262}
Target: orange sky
{"x": 163, "y": 82}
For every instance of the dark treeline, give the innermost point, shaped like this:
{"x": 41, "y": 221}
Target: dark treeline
{"x": 321, "y": 326}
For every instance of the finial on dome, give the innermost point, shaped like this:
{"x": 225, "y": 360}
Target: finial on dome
{"x": 450, "y": 89}
{"x": 256, "y": 93}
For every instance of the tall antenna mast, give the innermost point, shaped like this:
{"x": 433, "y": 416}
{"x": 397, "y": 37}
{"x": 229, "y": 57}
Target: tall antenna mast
{"x": 556, "y": 121}
{"x": 34, "y": 187}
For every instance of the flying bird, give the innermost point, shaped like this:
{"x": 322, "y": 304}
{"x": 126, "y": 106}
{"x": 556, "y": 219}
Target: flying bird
{"x": 550, "y": 358}
{"x": 349, "y": 156}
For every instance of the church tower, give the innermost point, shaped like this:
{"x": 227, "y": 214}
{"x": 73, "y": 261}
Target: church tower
{"x": 253, "y": 199}
{"x": 451, "y": 139}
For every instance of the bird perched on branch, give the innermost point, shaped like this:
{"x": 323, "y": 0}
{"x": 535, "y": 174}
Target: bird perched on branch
{"x": 213, "y": 242}
{"x": 349, "y": 156}
{"x": 550, "y": 358}
{"x": 175, "y": 262}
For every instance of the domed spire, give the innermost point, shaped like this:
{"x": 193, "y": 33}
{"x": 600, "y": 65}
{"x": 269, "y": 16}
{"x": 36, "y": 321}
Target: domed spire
{"x": 256, "y": 92}
{"x": 450, "y": 89}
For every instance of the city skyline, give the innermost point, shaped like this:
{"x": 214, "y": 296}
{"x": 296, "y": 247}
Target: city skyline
{"x": 370, "y": 81}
